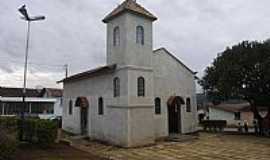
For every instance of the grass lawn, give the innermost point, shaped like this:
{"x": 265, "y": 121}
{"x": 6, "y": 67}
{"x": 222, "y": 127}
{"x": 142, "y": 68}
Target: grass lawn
{"x": 57, "y": 152}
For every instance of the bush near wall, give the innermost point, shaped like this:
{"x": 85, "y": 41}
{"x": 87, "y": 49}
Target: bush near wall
{"x": 46, "y": 132}
{"x": 41, "y": 132}
{"x": 8, "y": 145}
{"x": 8, "y": 142}
{"x": 29, "y": 129}
{"x": 9, "y": 123}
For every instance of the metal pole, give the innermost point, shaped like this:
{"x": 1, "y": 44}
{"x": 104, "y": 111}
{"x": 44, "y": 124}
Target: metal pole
{"x": 24, "y": 105}
{"x": 25, "y": 67}
{"x": 26, "y": 57}
{"x": 66, "y": 69}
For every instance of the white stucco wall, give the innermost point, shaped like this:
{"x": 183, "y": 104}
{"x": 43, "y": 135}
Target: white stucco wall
{"x": 129, "y": 52}
{"x": 112, "y": 126}
{"x": 173, "y": 79}
{"x": 58, "y": 107}
{"x": 130, "y": 120}
{"x": 141, "y": 109}
{"x": 218, "y": 114}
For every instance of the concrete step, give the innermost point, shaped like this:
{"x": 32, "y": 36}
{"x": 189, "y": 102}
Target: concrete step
{"x": 181, "y": 138}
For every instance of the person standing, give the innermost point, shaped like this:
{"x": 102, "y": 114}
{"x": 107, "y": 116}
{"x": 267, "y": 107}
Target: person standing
{"x": 255, "y": 124}
{"x": 246, "y": 126}
{"x": 240, "y": 127}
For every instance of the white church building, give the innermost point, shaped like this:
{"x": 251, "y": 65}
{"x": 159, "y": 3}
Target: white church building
{"x": 140, "y": 95}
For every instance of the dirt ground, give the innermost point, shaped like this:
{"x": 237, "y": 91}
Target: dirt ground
{"x": 58, "y": 152}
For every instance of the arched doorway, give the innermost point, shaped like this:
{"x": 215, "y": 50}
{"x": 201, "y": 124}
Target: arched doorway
{"x": 174, "y": 114}
{"x": 82, "y": 102}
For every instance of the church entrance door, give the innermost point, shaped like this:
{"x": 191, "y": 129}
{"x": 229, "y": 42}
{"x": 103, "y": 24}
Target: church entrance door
{"x": 174, "y": 114}
{"x": 84, "y": 119}
{"x": 82, "y": 102}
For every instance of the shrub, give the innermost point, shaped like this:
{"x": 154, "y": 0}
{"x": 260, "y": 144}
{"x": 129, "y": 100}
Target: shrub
{"x": 29, "y": 130}
{"x": 46, "y": 133}
{"x": 9, "y": 123}
{"x": 8, "y": 144}
{"x": 43, "y": 132}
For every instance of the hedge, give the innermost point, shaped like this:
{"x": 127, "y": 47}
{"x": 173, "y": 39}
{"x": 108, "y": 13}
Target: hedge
{"x": 41, "y": 132}
{"x": 46, "y": 132}
{"x": 9, "y": 123}
{"x": 8, "y": 144}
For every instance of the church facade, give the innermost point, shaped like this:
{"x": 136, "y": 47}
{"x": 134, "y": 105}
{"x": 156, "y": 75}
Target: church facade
{"x": 140, "y": 95}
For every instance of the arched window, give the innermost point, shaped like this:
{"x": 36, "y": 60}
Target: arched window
{"x": 116, "y": 87}
{"x": 100, "y": 106}
{"x": 116, "y": 36}
{"x": 188, "y": 103}
{"x": 157, "y": 105}
{"x": 140, "y": 35}
{"x": 70, "y": 107}
{"x": 141, "y": 87}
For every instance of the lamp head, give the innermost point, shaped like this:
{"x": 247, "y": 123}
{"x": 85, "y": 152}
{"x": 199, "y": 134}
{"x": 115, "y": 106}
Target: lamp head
{"x": 23, "y": 11}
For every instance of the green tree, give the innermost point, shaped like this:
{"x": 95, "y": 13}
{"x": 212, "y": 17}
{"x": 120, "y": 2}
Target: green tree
{"x": 242, "y": 72}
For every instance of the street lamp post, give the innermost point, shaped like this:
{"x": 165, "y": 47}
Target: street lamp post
{"x": 29, "y": 19}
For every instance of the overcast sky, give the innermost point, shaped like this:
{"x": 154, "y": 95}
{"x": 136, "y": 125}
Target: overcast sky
{"x": 194, "y": 30}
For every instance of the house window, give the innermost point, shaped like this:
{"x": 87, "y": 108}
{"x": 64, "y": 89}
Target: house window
{"x": 140, "y": 35}
{"x": 116, "y": 36}
{"x": 100, "y": 106}
{"x": 157, "y": 105}
{"x": 237, "y": 116}
{"x": 42, "y": 108}
{"x": 116, "y": 87}
{"x": 70, "y": 107}
{"x": 188, "y": 105}
{"x": 141, "y": 87}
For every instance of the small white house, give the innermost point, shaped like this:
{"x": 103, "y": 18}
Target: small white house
{"x": 233, "y": 113}
{"x": 44, "y": 103}
{"x": 140, "y": 95}
{"x": 43, "y": 107}
{"x": 55, "y": 94}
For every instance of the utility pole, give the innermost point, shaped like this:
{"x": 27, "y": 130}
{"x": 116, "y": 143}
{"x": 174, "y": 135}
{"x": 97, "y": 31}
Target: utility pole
{"x": 66, "y": 70}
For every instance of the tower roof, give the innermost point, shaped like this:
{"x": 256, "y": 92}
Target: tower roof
{"x": 129, "y": 6}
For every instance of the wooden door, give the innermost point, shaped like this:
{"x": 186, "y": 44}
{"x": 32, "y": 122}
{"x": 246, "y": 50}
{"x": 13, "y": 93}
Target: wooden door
{"x": 174, "y": 117}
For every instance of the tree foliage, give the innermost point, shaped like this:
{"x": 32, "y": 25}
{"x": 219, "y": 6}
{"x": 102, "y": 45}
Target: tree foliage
{"x": 242, "y": 71}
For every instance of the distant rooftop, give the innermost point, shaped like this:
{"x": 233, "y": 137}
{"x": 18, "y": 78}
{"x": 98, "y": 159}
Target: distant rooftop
{"x": 30, "y": 92}
{"x": 233, "y": 107}
{"x": 52, "y": 92}
{"x": 17, "y": 92}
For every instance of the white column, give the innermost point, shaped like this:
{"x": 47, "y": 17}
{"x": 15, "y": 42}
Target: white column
{"x": 3, "y": 108}
{"x": 30, "y": 108}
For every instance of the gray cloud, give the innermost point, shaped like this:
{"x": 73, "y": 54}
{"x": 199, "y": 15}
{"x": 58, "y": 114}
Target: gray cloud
{"x": 194, "y": 30}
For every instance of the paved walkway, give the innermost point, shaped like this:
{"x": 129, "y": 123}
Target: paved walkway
{"x": 207, "y": 147}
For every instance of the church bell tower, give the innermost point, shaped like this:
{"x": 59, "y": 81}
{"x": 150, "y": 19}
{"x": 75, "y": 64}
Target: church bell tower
{"x": 129, "y": 35}
{"x": 130, "y": 46}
